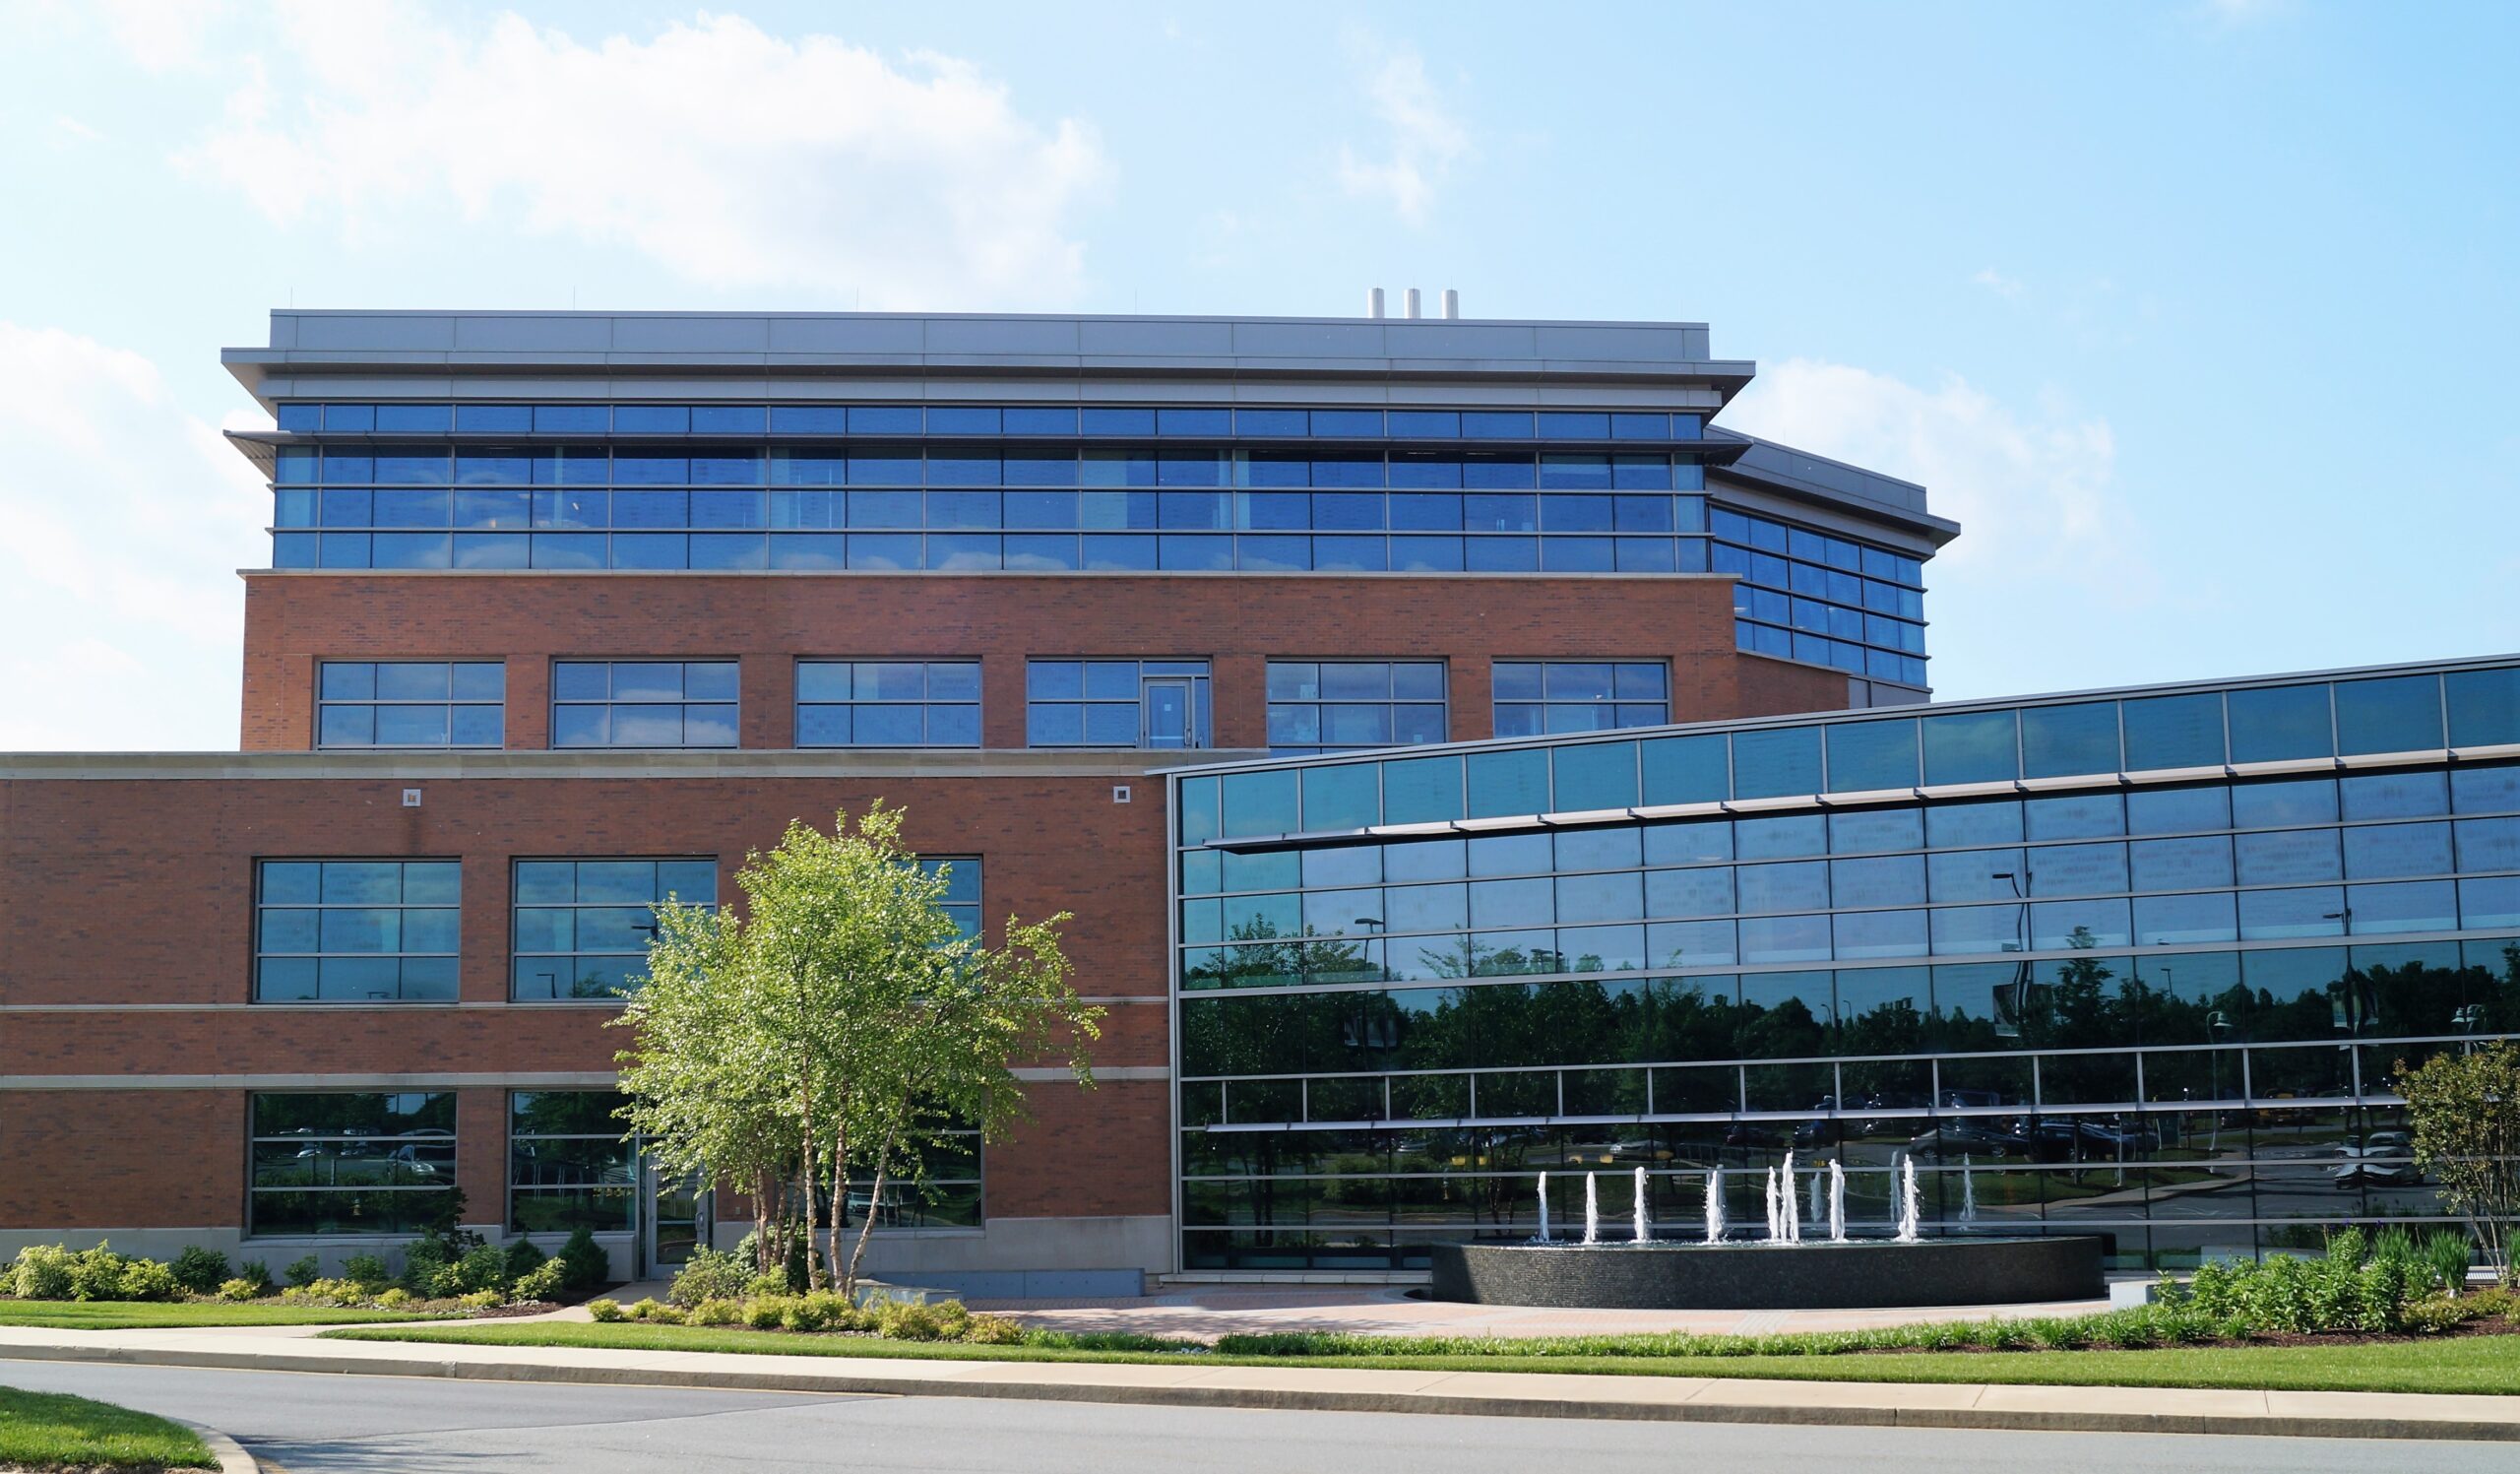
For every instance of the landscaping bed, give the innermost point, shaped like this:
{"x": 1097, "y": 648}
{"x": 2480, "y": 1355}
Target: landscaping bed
{"x": 51, "y": 1430}
{"x": 2386, "y": 1314}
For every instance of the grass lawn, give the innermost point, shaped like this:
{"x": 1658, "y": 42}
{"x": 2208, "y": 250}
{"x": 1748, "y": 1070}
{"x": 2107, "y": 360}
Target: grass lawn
{"x": 131, "y": 1315}
{"x": 49, "y": 1431}
{"x": 2463, "y": 1363}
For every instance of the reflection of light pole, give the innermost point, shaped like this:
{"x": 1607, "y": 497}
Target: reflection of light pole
{"x": 1373, "y": 925}
{"x": 2216, "y": 1024}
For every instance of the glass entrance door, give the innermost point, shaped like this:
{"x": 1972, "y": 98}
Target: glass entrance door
{"x": 674, "y": 1211}
{"x": 1168, "y": 716}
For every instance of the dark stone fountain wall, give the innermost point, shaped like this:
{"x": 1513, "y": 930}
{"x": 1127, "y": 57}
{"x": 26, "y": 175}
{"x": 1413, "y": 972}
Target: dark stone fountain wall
{"x": 1862, "y": 1275}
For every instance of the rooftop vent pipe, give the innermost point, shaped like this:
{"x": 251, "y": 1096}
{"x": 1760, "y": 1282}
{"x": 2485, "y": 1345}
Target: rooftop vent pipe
{"x": 1409, "y": 303}
{"x": 1373, "y": 302}
{"x": 1452, "y": 304}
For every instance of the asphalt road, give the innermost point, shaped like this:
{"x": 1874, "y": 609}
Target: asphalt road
{"x": 303, "y": 1423}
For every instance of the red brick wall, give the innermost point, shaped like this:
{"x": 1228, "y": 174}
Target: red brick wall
{"x": 766, "y": 620}
{"x": 139, "y": 893}
{"x": 122, "y": 1158}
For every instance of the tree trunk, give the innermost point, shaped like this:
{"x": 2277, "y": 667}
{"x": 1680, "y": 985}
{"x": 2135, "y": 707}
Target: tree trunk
{"x": 762, "y": 1187}
{"x": 875, "y": 1196}
{"x": 805, "y": 1180}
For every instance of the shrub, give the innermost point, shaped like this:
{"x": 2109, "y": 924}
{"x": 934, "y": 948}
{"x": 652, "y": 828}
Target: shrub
{"x": 483, "y": 1300}
{"x": 98, "y": 1273}
{"x": 542, "y": 1282}
{"x": 200, "y": 1270}
{"x": 643, "y": 1310}
{"x": 428, "y": 1271}
{"x": 794, "y": 1272}
{"x": 302, "y": 1272}
{"x": 42, "y": 1272}
{"x": 605, "y": 1311}
{"x": 394, "y": 1299}
{"x": 769, "y": 1284}
{"x": 366, "y": 1270}
{"x": 341, "y": 1292}
{"x": 482, "y": 1270}
{"x": 586, "y": 1264}
{"x": 256, "y": 1273}
{"x": 992, "y": 1330}
{"x": 524, "y": 1258}
{"x": 901, "y": 1320}
{"x": 240, "y": 1289}
{"x": 765, "y": 1311}
{"x": 716, "y": 1313}
{"x": 146, "y": 1279}
{"x": 805, "y": 1313}
{"x": 710, "y": 1275}
{"x": 2449, "y": 1252}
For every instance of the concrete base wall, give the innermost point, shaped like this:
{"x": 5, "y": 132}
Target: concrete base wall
{"x": 1870, "y": 1275}
{"x": 1014, "y": 1258}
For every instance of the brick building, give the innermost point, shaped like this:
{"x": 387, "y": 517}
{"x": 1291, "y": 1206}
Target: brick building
{"x": 566, "y": 611}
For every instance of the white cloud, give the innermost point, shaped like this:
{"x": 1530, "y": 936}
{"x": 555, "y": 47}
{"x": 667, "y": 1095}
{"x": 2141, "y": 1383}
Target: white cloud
{"x": 127, "y": 520}
{"x": 162, "y": 36}
{"x": 1425, "y": 139}
{"x": 736, "y": 158}
{"x": 2007, "y": 287}
{"x": 2048, "y": 551}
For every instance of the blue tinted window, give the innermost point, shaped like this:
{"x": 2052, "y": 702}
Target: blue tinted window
{"x": 1116, "y": 421}
{"x": 1869, "y": 755}
{"x": 1971, "y": 748}
{"x": 1270, "y": 422}
{"x": 1640, "y": 426}
{"x": 651, "y": 419}
{"x": 1496, "y": 424}
{"x": 1040, "y": 421}
{"x": 1776, "y": 762}
{"x": 2396, "y": 714}
{"x": 962, "y": 420}
{"x": 809, "y": 420}
{"x": 2273, "y": 723}
{"x": 1570, "y": 426}
{"x": 1194, "y": 422}
{"x": 2484, "y": 707}
{"x": 356, "y": 417}
{"x": 1346, "y": 422}
{"x": 884, "y": 419}
{"x": 2059, "y": 740}
{"x": 2173, "y": 732}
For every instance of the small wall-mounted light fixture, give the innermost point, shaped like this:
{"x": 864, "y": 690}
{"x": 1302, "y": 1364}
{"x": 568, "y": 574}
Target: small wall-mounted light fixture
{"x": 1119, "y": 792}
{"x": 411, "y": 797}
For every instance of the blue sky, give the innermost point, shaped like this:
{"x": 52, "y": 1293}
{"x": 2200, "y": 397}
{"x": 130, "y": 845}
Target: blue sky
{"x": 2198, "y": 315}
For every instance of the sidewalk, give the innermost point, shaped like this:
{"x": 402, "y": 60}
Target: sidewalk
{"x": 1709, "y": 1400}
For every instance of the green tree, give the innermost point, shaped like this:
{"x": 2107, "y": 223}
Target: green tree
{"x": 840, "y": 1025}
{"x": 2464, "y": 1109}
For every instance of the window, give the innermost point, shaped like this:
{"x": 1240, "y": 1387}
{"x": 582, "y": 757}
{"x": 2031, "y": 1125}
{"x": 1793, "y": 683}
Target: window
{"x": 949, "y": 1200}
{"x": 583, "y": 925}
{"x": 340, "y": 1164}
{"x": 643, "y": 704}
{"x": 356, "y": 930}
{"x": 1327, "y": 706}
{"x": 569, "y": 1166}
{"x": 888, "y": 703}
{"x": 1537, "y": 697}
{"x": 411, "y": 704}
{"x": 1105, "y": 703}
{"x": 962, "y": 888}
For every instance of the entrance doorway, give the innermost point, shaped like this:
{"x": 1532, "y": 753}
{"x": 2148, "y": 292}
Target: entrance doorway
{"x": 673, "y": 1219}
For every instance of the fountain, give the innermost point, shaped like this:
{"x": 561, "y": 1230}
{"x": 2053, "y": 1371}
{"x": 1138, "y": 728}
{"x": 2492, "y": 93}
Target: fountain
{"x": 1780, "y": 1272}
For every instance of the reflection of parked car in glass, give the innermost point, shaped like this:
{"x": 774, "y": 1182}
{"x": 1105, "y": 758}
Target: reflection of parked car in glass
{"x": 2381, "y": 1161}
{"x": 1640, "y": 1149}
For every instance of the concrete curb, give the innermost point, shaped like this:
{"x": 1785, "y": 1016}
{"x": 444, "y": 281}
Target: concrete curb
{"x": 1512, "y": 1395}
{"x": 231, "y": 1455}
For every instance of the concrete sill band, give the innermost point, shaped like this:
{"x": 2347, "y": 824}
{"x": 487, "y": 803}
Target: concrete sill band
{"x": 1651, "y": 1398}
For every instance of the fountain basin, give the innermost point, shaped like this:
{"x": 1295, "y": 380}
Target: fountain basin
{"x": 1862, "y": 1274}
